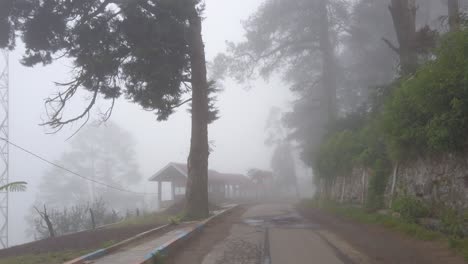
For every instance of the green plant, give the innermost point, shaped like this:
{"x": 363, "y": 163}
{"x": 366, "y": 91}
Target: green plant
{"x": 452, "y": 222}
{"x": 377, "y": 184}
{"x": 460, "y": 245}
{"x": 410, "y": 208}
{"x": 158, "y": 258}
{"x": 429, "y": 111}
{"x": 14, "y": 187}
{"x": 364, "y": 216}
{"x": 175, "y": 220}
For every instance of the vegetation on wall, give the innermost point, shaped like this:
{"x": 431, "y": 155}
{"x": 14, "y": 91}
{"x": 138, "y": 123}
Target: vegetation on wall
{"x": 423, "y": 114}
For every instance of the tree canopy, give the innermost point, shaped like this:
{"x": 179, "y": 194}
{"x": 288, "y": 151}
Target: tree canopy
{"x": 150, "y": 52}
{"x": 135, "y": 49}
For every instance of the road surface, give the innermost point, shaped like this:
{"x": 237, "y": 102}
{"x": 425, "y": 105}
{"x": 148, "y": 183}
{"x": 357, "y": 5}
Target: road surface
{"x": 263, "y": 234}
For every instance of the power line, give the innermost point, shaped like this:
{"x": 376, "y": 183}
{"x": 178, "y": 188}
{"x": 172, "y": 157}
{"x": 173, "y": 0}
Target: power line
{"x": 72, "y": 172}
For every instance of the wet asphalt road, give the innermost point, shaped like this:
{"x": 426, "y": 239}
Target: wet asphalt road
{"x": 274, "y": 234}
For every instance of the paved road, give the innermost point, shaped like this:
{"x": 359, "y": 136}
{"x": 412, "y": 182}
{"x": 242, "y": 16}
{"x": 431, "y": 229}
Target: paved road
{"x": 274, "y": 234}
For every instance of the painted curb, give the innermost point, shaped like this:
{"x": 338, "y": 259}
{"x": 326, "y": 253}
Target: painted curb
{"x": 104, "y": 251}
{"x": 167, "y": 248}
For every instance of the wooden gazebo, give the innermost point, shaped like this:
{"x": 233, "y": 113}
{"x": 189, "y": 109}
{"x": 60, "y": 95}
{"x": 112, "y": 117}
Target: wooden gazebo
{"x": 221, "y": 186}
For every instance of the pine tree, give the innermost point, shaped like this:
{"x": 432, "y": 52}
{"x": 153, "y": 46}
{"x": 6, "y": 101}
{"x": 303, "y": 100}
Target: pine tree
{"x": 148, "y": 51}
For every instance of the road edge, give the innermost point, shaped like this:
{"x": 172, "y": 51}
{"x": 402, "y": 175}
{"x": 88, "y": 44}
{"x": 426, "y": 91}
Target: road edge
{"x": 170, "y": 246}
{"x": 104, "y": 251}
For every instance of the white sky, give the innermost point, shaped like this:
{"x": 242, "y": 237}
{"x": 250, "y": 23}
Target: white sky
{"x": 238, "y": 136}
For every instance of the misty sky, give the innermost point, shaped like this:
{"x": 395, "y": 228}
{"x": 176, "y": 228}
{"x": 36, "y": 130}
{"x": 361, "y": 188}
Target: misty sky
{"x": 238, "y": 137}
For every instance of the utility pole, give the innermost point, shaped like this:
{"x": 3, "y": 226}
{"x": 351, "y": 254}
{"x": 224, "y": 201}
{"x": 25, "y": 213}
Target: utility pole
{"x": 4, "y": 149}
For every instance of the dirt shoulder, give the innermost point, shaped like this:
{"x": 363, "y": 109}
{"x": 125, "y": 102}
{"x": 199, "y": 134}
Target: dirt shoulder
{"x": 382, "y": 245}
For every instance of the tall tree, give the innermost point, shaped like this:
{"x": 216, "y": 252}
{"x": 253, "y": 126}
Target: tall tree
{"x": 151, "y": 51}
{"x": 412, "y": 42}
{"x": 453, "y": 14}
{"x": 329, "y": 71}
{"x": 294, "y": 37}
{"x": 105, "y": 154}
{"x": 197, "y": 184}
{"x": 297, "y": 39}
{"x": 284, "y": 167}
{"x": 368, "y": 63}
{"x": 404, "y": 19}
{"x": 282, "y": 160}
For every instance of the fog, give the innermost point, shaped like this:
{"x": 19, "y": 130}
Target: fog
{"x": 321, "y": 80}
{"x": 238, "y": 136}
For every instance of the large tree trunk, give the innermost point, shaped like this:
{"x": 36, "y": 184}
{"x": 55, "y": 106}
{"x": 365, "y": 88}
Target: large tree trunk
{"x": 328, "y": 63}
{"x": 197, "y": 184}
{"x": 454, "y": 15}
{"x": 404, "y": 20}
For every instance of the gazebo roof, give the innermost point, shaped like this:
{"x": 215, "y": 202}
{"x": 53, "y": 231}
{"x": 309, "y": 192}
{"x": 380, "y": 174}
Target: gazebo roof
{"x": 213, "y": 176}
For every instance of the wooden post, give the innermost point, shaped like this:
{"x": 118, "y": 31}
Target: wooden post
{"x": 159, "y": 194}
{"x": 93, "y": 221}
{"x": 173, "y": 190}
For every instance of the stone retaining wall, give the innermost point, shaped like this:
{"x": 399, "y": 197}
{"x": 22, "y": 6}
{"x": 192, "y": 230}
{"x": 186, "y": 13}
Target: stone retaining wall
{"x": 439, "y": 180}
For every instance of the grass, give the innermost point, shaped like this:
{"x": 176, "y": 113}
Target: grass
{"x": 61, "y": 257}
{"x": 49, "y": 258}
{"x": 150, "y": 219}
{"x": 460, "y": 245}
{"x": 52, "y": 257}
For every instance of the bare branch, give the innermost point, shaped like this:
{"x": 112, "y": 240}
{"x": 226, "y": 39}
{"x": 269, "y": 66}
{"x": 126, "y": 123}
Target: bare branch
{"x": 79, "y": 129}
{"x": 392, "y": 47}
{"x": 56, "y": 118}
{"x": 181, "y": 104}
{"x": 109, "y": 111}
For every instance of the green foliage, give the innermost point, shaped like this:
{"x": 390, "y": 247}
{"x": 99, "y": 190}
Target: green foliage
{"x": 337, "y": 154}
{"x": 356, "y": 142}
{"x": 141, "y": 54}
{"x": 364, "y": 216}
{"x": 452, "y": 222}
{"x": 175, "y": 220}
{"x": 145, "y": 220}
{"x": 398, "y": 224}
{"x": 429, "y": 111}
{"x": 410, "y": 208}
{"x": 158, "y": 258}
{"x": 460, "y": 245}
{"x": 49, "y": 258}
{"x": 14, "y": 187}
{"x": 377, "y": 184}
{"x": 425, "y": 113}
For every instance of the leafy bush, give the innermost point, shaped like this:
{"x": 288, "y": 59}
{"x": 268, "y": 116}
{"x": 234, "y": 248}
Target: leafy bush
{"x": 377, "y": 184}
{"x": 410, "y": 208}
{"x": 425, "y": 113}
{"x": 429, "y": 111}
{"x": 452, "y": 222}
{"x": 337, "y": 154}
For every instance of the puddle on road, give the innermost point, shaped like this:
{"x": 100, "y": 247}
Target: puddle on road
{"x": 294, "y": 221}
{"x": 254, "y": 222}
